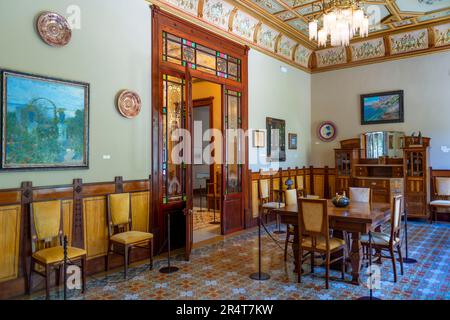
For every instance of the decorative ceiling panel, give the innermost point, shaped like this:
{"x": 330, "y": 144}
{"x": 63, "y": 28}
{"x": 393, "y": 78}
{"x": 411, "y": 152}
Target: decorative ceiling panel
{"x": 217, "y": 12}
{"x": 280, "y": 28}
{"x": 422, "y": 6}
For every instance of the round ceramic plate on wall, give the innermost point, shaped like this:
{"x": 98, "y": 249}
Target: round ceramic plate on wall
{"x": 129, "y": 104}
{"x": 53, "y": 29}
{"x": 327, "y": 131}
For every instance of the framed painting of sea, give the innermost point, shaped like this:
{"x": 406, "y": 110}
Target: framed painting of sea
{"x": 385, "y": 107}
{"x": 45, "y": 122}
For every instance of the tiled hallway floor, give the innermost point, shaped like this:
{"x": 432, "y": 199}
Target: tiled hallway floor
{"x": 221, "y": 271}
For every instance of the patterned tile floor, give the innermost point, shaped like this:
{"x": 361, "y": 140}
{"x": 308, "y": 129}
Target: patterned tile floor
{"x": 221, "y": 271}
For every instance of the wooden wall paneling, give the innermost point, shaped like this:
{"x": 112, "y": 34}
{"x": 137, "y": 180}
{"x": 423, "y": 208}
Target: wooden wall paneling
{"x": 10, "y": 223}
{"x": 140, "y": 211}
{"x": 67, "y": 207}
{"x": 255, "y": 199}
{"x": 78, "y": 230}
{"x": 319, "y": 185}
{"x": 9, "y": 197}
{"x": 25, "y": 237}
{"x": 95, "y": 227}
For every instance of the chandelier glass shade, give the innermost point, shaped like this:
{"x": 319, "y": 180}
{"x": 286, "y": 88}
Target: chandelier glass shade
{"x": 341, "y": 21}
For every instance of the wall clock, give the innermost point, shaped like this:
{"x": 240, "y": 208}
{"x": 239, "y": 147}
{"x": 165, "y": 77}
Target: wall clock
{"x": 327, "y": 131}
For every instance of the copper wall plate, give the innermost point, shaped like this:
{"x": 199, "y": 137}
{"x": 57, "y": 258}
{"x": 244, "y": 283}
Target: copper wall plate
{"x": 129, "y": 104}
{"x": 54, "y": 29}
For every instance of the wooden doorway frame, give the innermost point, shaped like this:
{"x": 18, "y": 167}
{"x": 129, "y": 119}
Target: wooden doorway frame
{"x": 165, "y": 22}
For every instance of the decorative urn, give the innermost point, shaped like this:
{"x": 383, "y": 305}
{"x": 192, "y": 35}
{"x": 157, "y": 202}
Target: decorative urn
{"x": 341, "y": 201}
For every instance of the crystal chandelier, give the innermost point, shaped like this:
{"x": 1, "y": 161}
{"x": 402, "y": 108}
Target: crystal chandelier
{"x": 342, "y": 20}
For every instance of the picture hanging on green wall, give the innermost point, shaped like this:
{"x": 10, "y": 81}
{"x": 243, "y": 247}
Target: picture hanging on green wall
{"x": 45, "y": 122}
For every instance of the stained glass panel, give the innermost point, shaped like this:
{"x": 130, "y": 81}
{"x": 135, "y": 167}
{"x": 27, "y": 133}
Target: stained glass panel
{"x": 184, "y": 52}
{"x": 173, "y": 111}
{"x": 234, "y": 148}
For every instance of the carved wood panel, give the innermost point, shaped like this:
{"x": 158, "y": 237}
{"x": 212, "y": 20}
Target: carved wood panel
{"x": 95, "y": 227}
{"x": 10, "y": 217}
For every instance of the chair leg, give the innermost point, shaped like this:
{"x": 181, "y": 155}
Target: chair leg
{"x": 126, "y": 262}
{"x": 343, "y": 264}
{"x": 327, "y": 271}
{"x": 47, "y": 282}
{"x": 312, "y": 261}
{"x": 83, "y": 274}
{"x": 394, "y": 267}
{"x": 30, "y": 276}
{"x": 286, "y": 244}
{"x": 299, "y": 265}
{"x": 58, "y": 275}
{"x": 150, "y": 243}
{"x": 107, "y": 257}
{"x": 399, "y": 249}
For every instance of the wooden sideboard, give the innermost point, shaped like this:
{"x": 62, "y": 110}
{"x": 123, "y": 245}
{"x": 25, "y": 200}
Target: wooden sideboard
{"x": 387, "y": 177}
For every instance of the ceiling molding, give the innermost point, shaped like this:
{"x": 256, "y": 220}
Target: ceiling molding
{"x": 260, "y": 25}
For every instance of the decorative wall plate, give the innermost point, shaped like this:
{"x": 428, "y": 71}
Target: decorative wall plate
{"x": 129, "y": 104}
{"x": 327, "y": 131}
{"x": 54, "y": 29}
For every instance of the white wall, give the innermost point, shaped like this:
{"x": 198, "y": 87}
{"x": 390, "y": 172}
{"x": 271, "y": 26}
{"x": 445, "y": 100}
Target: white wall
{"x": 111, "y": 51}
{"x": 285, "y": 96}
{"x": 426, "y": 82}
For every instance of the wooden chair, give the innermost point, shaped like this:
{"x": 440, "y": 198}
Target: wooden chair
{"x": 388, "y": 242}
{"x": 46, "y": 220}
{"x": 361, "y": 195}
{"x": 213, "y": 193}
{"x": 120, "y": 230}
{"x": 314, "y": 236}
{"x": 291, "y": 198}
{"x": 357, "y": 195}
{"x": 440, "y": 196}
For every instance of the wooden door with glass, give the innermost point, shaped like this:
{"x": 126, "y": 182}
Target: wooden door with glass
{"x": 182, "y": 51}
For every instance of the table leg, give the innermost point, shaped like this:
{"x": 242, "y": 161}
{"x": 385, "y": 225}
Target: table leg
{"x": 355, "y": 257}
{"x": 295, "y": 248}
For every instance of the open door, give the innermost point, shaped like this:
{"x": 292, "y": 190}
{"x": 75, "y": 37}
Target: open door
{"x": 188, "y": 211}
{"x": 233, "y": 161}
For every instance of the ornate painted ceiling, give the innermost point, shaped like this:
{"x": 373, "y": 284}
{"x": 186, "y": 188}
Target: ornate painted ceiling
{"x": 280, "y": 28}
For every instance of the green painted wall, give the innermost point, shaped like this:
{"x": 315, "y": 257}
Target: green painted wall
{"x": 111, "y": 51}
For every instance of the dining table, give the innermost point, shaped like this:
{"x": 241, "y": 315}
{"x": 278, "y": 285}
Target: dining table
{"x": 356, "y": 219}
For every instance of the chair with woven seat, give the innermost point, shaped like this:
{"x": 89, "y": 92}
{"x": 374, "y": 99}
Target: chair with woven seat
{"x": 440, "y": 196}
{"x": 46, "y": 219}
{"x": 360, "y": 195}
{"x": 388, "y": 241}
{"x": 120, "y": 231}
{"x": 314, "y": 236}
{"x": 213, "y": 193}
{"x": 266, "y": 206}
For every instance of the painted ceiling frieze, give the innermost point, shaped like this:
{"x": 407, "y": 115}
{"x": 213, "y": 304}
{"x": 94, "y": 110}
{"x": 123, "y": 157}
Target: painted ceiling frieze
{"x": 269, "y": 5}
{"x": 331, "y": 56}
{"x": 267, "y": 37}
{"x": 442, "y": 35}
{"x": 302, "y": 56}
{"x": 244, "y": 25}
{"x": 280, "y": 28}
{"x": 217, "y": 12}
{"x": 409, "y": 41}
{"x": 286, "y": 46}
{"x": 368, "y": 49}
{"x": 190, "y": 6}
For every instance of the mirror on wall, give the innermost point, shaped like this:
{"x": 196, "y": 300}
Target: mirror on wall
{"x": 382, "y": 144}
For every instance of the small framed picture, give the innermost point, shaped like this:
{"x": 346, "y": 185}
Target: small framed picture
{"x": 259, "y": 139}
{"x": 385, "y": 107}
{"x": 292, "y": 137}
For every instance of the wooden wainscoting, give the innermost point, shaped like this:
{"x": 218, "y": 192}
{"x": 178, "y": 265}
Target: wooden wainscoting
{"x": 84, "y": 223}
{"x": 9, "y": 242}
